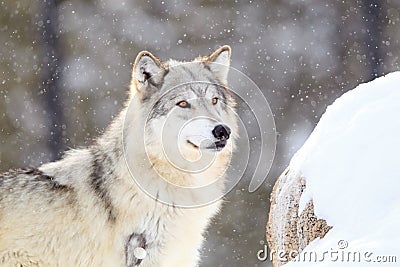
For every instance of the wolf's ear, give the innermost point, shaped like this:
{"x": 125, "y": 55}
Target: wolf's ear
{"x": 147, "y": 69}
{"x": 219, "y": 62}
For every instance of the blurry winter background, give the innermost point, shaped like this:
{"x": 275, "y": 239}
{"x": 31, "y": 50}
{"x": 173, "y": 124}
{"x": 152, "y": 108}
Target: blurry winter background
{"x": 65, "y": 69}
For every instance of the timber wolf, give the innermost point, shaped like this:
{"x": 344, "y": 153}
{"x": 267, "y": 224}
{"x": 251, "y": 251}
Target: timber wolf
{"x": 87, "y": 210}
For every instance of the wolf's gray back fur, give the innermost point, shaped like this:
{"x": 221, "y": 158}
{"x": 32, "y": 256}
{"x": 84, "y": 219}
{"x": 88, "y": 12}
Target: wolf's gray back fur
{"x": 86, "y": 210}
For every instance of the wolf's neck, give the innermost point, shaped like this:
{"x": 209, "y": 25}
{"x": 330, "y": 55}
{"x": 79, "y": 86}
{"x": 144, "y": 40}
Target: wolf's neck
{"x": 108, "y": 168}
{"x": 108, "y": 148}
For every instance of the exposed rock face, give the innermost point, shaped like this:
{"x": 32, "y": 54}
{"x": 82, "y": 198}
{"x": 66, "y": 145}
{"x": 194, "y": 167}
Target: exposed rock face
{"x": 288, "y": 231}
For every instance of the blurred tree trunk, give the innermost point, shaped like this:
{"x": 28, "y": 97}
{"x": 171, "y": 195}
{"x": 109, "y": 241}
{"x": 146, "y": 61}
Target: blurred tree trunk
{"x": 373, "y": 15}
{"x": 52, "y": 75}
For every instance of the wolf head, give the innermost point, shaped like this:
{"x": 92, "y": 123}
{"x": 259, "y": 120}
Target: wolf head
{"x": 187, "y": 109}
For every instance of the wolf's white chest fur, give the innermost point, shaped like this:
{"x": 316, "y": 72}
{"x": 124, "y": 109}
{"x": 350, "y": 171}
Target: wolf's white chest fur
{"x": 170, "y": 234}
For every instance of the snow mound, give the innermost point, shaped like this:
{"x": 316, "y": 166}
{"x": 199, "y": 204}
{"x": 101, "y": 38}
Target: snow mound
{"x": 350, "y": 166}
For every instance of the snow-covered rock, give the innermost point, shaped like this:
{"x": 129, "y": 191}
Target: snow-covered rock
{"x": 339, "y": 200}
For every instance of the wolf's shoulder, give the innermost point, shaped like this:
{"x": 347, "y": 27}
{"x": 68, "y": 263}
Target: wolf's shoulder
{"x": 28, "y": 178}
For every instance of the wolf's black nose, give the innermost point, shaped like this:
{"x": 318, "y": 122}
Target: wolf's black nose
{"x": 221, "y": 132}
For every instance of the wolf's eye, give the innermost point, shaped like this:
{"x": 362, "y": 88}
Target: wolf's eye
{"x": 183, "y": 104}
{"x": 214, "y": 100}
